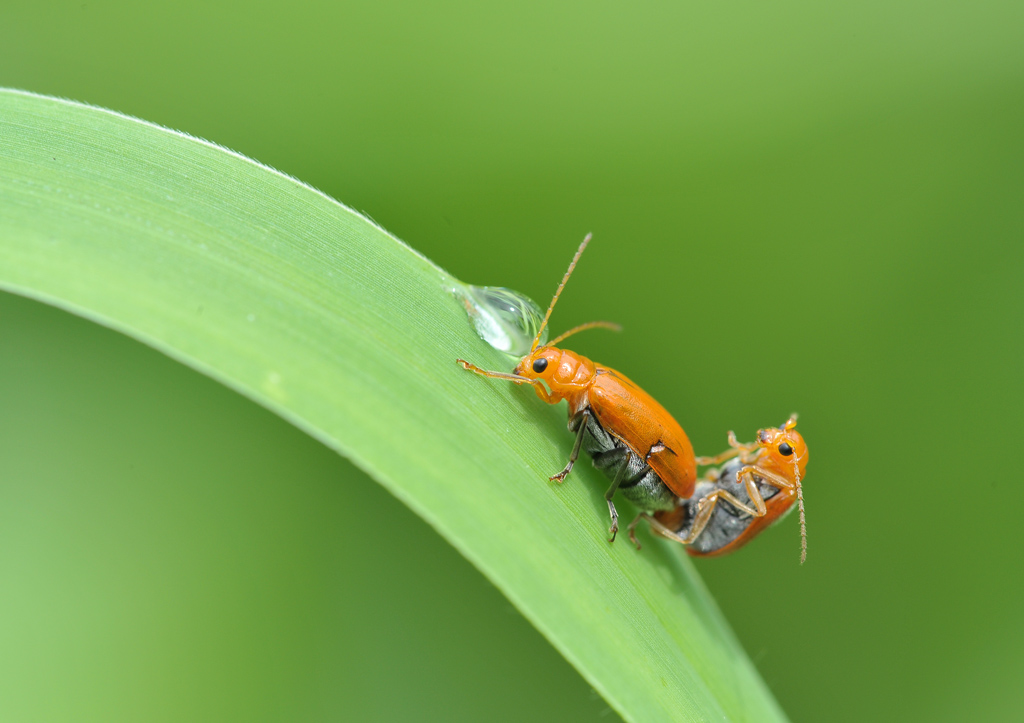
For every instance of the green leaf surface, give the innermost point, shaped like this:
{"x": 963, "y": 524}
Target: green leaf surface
{"x": 318, "y": 314}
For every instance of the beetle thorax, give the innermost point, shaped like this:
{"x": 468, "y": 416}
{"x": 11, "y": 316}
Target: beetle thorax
{"x": 568, "y": 374}
{"x": 572, "y": 372}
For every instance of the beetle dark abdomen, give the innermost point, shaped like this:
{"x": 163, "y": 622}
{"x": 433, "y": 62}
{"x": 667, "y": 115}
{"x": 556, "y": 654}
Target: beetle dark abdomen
{"x": 645, "y": 490}
{"x": 727, "y": 523}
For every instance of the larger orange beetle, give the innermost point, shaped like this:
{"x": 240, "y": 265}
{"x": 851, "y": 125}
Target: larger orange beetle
{"x": 629, "y": 436}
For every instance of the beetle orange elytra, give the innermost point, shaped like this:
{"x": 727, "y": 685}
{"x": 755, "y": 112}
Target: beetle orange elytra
{"x": 758, "y": 485}
{"x": 629, "y": 436}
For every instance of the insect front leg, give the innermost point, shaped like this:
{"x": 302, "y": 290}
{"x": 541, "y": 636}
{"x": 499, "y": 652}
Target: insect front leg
{"x": 538, "y": 386}
{"x": 583, "y": 418}
{"x": 770, "y": 477}
{"x": 735, "y": 449}
{"x": 748, "y": 476}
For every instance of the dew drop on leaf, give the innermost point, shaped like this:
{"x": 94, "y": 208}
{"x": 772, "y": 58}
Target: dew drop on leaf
{"x": 504, "y": 318}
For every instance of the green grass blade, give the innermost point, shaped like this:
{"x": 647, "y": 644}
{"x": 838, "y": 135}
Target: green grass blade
{"x": 313, "y": 311}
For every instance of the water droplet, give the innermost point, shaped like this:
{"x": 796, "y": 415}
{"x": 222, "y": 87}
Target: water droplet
{"x": 505, "y": 319}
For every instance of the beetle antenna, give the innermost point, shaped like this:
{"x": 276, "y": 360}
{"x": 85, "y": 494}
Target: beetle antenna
{"x": 583, "y": 327}
{"x": 543, "y": 324}
{"x": 803, "y": 519}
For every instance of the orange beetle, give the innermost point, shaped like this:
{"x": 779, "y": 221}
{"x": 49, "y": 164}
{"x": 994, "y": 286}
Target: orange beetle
{"x": 629, "y": 436}
{"x": 758, "y": 485}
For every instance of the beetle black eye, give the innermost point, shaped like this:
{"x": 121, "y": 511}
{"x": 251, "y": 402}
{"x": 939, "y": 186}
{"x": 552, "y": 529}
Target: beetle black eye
{"x": 785, "y": 450}
{"x": 539, "y": 365}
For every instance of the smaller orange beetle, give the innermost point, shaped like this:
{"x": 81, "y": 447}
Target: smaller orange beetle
{"x": 629, "y": 436}
{"x": 759, "y": 484}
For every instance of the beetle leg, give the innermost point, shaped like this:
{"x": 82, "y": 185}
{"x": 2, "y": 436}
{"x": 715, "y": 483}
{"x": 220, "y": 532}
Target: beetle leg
{"x": 619, "y": 476}
{"x": 604, "y": 460}
{"x": 711, "y": 475}
{"x": 634, "y": 523}
{"x": 747, "y": 475}
{"x": 538, "y": 385}
{"x": 706, "y": 506}
{"x": 659, "y": 529}
{"x": 718, "y": 458}
{"x": 585, "y": 414}
{"x": 735, "y": 448}
{"x": 622, "y": 481}
{"x": 704, "y": 509}
{"x": 759, "y": 509}
{"x": 770, "y": 477}
{"x": 638, "y": 477}
{"x": 614, "y": 529}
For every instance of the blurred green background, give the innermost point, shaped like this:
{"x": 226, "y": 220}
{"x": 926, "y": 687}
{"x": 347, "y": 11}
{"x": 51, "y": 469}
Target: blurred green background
{"x": 799, "y": 206}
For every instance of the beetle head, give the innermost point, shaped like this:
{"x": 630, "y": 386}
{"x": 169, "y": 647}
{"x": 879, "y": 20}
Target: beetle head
{"x": 784, "y": 449}
{"x": 541, "y": 363}
{"x": 785, "y": 452}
